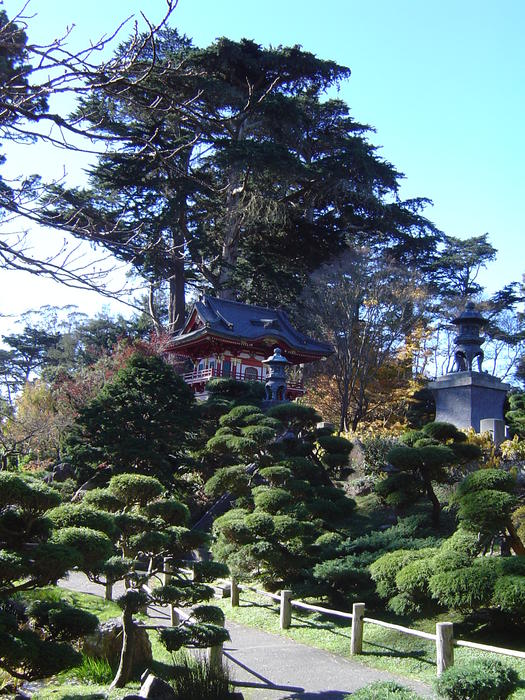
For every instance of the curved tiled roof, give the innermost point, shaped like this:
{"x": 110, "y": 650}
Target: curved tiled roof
{"x": 232, "y": 319}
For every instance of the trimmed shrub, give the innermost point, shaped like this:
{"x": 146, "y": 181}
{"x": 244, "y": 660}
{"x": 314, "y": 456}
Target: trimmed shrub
{"x": 101, "y": 499}
{"x": 73, "y": 515}
{"x": 509, "y": 594}
{"x": 486, "y": 510}
{"x": 271, "y": 500}
{"x": 413, "y": 578}
{"x": 228, "y": 479}
{"x": 277, "y": 475}
{"x": 384, "y": 690}
{"x": 334, "y": 444}
{"x": 237, "y": 415}
{"x": 464, "y": 589}
{"x": 487, "y": 479}
{"x": 385, "y": 569}
{"x": 94, "y": 547}
{"x": 443, "y": 431}
{"x": 170, "y": 511}
{"x": 480, "y": 679}
{"x": 135, "y": 488}
{"x": 404, "y": 457}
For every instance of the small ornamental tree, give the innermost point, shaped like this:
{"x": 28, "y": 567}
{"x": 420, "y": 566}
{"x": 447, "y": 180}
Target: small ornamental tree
{"x": 145, "y": 524}
{"x": 33, "y": 554}
{"x": 139, "y": 421}
{"x": 282, "y": 497}
{"x": 424, "y": 458}
{"x": 486, "y": 500}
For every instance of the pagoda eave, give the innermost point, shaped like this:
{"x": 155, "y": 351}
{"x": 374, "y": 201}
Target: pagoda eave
{"x": 204, "y": 345}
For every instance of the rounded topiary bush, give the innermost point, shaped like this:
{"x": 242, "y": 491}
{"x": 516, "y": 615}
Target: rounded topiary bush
{"x": 443, "y": 431}
{"x": 385, "y": 569}
{"x": 480, "y": 679}
{"x": 487, "y": 479}
{"x": 271, "y": 500}
{"x": 509, "y": 594}
{"x": 135, "y": 488}
{"x": 413, "y": 578}
{"x": 335, "y": 444}
{"x": 73, "y": 515}
{"x": 486, "y": 510}
{"x": 464, "y": 589}
{"x": 384, "y": 690}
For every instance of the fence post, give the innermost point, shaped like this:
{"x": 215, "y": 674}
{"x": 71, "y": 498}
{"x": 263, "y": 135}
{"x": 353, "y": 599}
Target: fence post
{"x": 286, "y": 609}
{"x": 166, "y": 567}
{"x": 215, "y": 656}
{"x": 444, "y": 646}
{"x": 234, "y": 593}
{"x": 356, "y": 640}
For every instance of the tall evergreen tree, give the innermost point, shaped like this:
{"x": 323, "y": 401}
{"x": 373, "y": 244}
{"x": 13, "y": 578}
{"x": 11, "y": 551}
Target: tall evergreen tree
{"x": 236, "y": 173}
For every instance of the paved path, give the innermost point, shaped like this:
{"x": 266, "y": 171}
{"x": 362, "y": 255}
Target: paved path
{"x": 269, "y": 667}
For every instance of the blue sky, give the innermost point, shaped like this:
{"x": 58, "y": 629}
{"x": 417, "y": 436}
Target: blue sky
{"x": 441, "y": 81}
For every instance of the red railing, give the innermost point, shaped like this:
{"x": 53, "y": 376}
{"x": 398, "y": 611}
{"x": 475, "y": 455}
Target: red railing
{"x": 201, "y": 376}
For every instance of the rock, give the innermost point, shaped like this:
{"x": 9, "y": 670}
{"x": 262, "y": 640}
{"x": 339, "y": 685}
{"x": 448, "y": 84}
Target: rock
{"x": 155, "y": 688}
{"x": 106, "y": 643}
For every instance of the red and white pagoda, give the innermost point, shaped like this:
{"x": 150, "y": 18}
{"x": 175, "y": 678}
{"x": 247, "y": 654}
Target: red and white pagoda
{"x": 225, "y": 338}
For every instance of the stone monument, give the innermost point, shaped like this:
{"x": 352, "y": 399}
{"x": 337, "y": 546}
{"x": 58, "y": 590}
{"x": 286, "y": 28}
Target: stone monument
{"x": 466, "y": 397}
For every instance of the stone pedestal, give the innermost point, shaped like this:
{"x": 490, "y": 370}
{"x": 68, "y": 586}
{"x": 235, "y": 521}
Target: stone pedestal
{"x": 466, "y": 398}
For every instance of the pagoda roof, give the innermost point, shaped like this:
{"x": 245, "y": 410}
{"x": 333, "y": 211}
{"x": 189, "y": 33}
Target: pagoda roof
{"x": 255, "y": 326}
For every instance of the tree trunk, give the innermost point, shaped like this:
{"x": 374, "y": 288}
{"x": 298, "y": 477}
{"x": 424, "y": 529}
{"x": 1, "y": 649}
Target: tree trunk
{"x": 436, "y": 505}
{"x": 177, "y": 294}
{"x": 514, "y": 540}
{"x": 126, "y": 655}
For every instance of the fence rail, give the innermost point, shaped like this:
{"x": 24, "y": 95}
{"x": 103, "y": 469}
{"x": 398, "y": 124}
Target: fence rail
{"x": 443, "y": 638}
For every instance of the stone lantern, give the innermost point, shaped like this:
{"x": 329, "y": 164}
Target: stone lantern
{"x": 466, "y": 397}
{"x": 468, "y": 340}
{"x": 275, "y": 384}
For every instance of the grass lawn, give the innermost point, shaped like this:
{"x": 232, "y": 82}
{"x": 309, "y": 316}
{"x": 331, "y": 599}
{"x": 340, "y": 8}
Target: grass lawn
{"x": 382, "y": 649}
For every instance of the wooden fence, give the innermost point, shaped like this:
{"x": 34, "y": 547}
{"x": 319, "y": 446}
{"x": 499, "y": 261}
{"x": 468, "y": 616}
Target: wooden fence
{"x": 443, "y": 638}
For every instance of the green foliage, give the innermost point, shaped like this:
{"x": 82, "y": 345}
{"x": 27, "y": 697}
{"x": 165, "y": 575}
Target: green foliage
{"x": 32, "y": 496}
{"x": 271, "y": 500}
{"x": 509, "y": 595}
{"x": 486, "y": 510}
{"x": 405, "y": 458}
{"x": 235, "y": 389}
{"x": 443, "y": 432}
{"x": 208, "y": 613}
{"x": 335, "y": 445}
{"x": 383, "y": 690}
{"x": 197, "y": 679}
{"x": 80, "y": 515}
{"x": 487, "y": 479}
{"x": 137, "y": 421}
{"x": 385, "y": 569}
{"x": 132, "y": 600}
{"x": 61, "y": 621}
{"x": 466, "y": 588}
{"x": 277, "y": 475}
{"x": 516, "y": 415}
{"x": 233, "y": 479}
{"x": 207, "y": 571}
{"x": 171, "y": 512}
{"x": 94, "y": 547}
{"x": 480, "y": 679}
{"x": 376, "y": 449}
{"x": 238, "y": 415}
{"x": 133, "y": 489}
{"x": 93, "y": 670}
{"x": 102, "y": 499}
{"x": 295, "y": 415}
